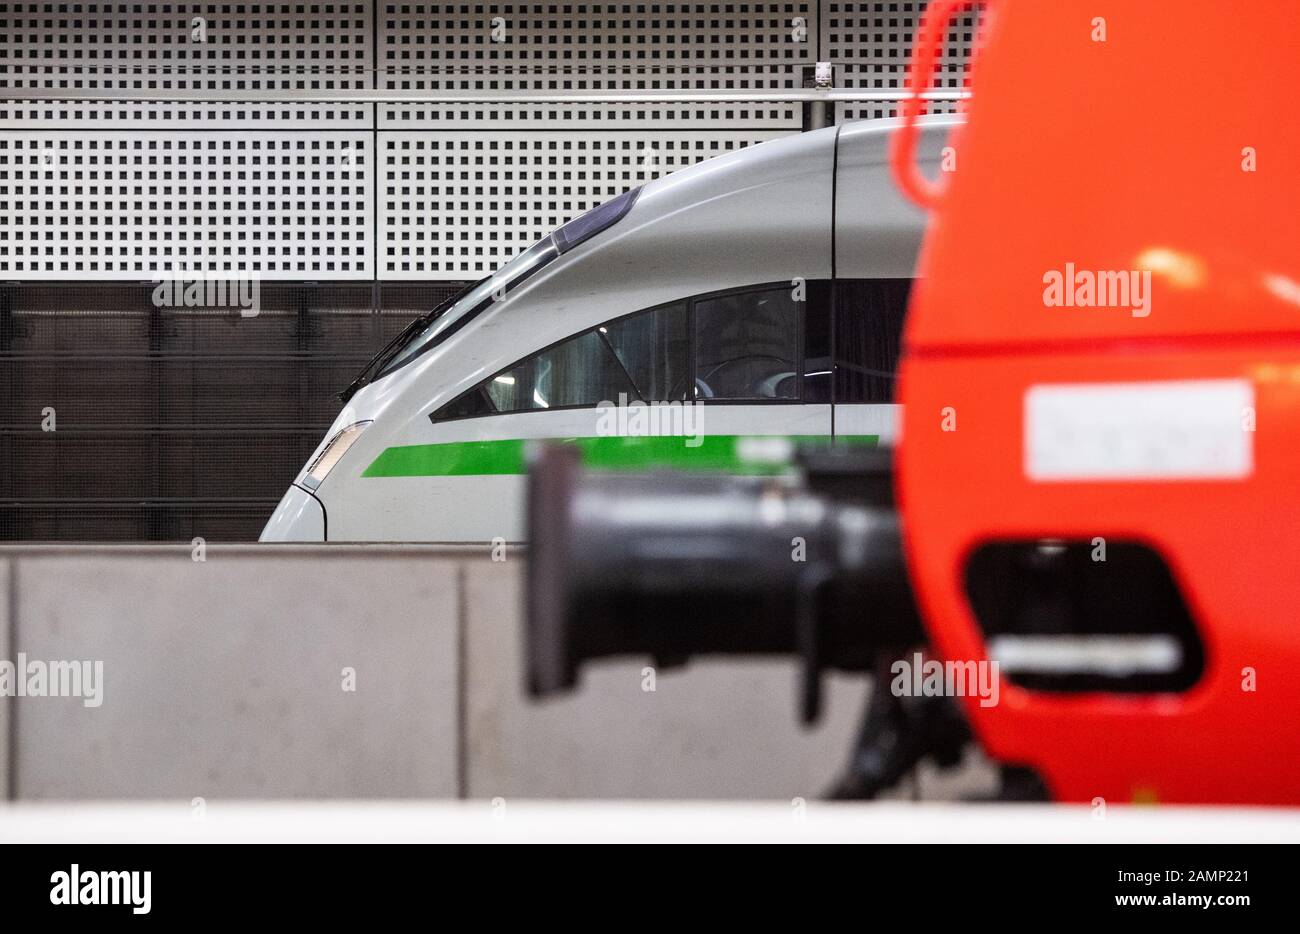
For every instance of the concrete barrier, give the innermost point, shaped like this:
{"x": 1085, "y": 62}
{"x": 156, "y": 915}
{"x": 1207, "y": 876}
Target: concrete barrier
{"x": 709, "y": 730}
{"x": 229, "y": 677}
{"x": 337, "y": 671}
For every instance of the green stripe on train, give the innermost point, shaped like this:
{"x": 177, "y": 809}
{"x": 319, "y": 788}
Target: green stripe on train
{"x": 722, "y": 453}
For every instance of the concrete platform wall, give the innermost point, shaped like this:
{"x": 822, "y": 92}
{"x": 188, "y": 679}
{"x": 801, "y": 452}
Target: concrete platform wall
{"x": 227, "y": 677}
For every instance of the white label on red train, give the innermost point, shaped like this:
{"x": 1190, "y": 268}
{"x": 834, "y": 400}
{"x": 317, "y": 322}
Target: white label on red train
{"x": 1167, "y": 430}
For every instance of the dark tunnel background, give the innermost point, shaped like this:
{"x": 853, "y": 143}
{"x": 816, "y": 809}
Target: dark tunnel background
{"x": 171, "y": 423}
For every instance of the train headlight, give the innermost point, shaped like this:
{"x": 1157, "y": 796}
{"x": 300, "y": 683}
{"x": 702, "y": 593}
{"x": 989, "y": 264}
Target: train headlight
{"x": 332, "y": 453}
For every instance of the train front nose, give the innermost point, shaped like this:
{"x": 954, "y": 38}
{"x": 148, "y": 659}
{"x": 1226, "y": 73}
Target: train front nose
{"x": 300, "y": 517}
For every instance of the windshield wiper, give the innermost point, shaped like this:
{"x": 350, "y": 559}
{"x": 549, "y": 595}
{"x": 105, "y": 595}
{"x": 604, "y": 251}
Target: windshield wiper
{"x": 394, "y": 347}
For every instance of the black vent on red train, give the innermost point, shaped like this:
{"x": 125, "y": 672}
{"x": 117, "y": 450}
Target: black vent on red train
{"x": 1096, "y": 615}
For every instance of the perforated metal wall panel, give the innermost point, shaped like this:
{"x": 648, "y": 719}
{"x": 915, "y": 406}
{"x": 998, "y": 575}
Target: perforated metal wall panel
{"x": 144, "y": 204}
{"x": 307, "y": 200}
{"x": 592, "y": 46}
{"x": 187, "y": 46}
{"x": 443, "y": 192}
{"x": 870, "y": 44}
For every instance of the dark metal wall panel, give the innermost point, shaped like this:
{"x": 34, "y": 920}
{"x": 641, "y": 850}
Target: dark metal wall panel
{"x": 171, "y": 423}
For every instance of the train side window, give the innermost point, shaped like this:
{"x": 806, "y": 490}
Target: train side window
{"x": 654, "y": 348}
{"x": 753, "y": 344}
{"x": 817, "y": 341}
{"x": 581, "y": 371}
{"x": 468, "y": 405}
{"x": 747, "y": 345}
{"x": 868, "y": 334}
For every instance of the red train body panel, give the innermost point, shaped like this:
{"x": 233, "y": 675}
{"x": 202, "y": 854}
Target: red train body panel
{"x": 1090, "y": 151}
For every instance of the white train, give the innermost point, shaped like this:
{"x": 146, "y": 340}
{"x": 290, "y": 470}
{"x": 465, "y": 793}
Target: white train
{"x": 756, "y": 295}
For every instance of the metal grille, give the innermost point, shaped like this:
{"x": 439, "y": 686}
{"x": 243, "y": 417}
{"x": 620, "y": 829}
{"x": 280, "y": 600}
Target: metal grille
{"x": 140, "y": 204}
{"x": 188, "y": 46}
{"x": 120, "y": 419}
{"x": 309, "y": 199}
{"x": 597, "y": 46}
{"x": 443, "y": 192}
{"x": 870, "y": 44}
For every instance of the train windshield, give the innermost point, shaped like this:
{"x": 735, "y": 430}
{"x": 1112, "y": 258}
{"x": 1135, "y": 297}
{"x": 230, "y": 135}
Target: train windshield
{"x": 450, "y": 319}
{"x": 427, "y": 333}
